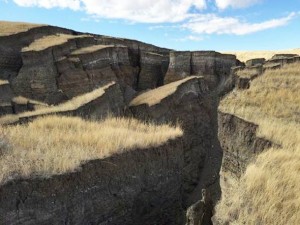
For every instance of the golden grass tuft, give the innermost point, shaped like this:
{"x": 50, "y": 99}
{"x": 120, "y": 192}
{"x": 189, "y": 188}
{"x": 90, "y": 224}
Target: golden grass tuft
{"x": 9, "y": 28}
{"x": 50, "y": 41}
{"x": 56, "y": 145}
{"x": 268, "y": 193}
{"x": 246, "y": 55}
{"x": 155, "y": 96}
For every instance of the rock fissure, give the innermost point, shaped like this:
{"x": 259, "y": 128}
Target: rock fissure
{"x": 145, "y": 186}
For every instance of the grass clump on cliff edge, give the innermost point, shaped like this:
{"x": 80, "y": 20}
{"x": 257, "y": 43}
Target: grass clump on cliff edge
{"x": 51, "y": 40}
{"x": 155, "y": 96}
{"x": 268, "y": 192}
{"x": 56, "y": 145}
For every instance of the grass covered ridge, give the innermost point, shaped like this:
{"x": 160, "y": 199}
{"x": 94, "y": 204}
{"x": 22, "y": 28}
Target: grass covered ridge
{"x": 56, "y": 145}
{"x": 268, "y": 192}
{"x": 155, "y": 96}
{"x": 9, "y": 28}
{"x": 51, "y": 40}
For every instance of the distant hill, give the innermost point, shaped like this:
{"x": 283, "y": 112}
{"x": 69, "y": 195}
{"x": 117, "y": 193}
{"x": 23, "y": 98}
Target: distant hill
{"x": 246, "y": 55}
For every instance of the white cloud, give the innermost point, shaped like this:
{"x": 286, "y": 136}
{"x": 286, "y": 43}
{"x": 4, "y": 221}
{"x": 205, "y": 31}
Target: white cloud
{"x": 191, "y": 38}
{"x": 223, "y": 4}
{"x": 213, "y": 24}
{"x": 160, "y": 12}
{"x": 144, "y": 11}
{"x": 72, "y": 4}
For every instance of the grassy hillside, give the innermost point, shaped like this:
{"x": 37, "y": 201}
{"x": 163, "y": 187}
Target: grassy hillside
{"x": 268, "y": 193}
{"x": 246, "y": 55}
{"x": 55, "y": 145}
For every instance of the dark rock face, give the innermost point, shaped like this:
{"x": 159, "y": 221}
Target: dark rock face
{"x": 282, "y": 56}
{"x": 179, "y": 67}
{"x": 152, "y": 70}
{"x": 200, "y": 213}
{"x": 10, "y": 63}
{"x": 214, "y": 66}
{"x": 130, "y": 188}
{"x": 239, "y": 143}
{"x": 188, "y": 106}
{"x": 254, "y": 62}
{"x": 6, "y": 94}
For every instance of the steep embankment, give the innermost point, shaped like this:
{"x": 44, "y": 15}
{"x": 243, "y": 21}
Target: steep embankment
{"x": 261, "y": 188}
{"x": 122, "y": 182}
{"x": 188, "y": 103}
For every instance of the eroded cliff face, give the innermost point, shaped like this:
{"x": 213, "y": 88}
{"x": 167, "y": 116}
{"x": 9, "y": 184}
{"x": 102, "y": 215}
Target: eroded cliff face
{"x": 150, "y": 186}
{"x": 241, "y": 145}
{"x": 142, "y": 186}
{"x": 189, "y": 106}
{"x": 213, "y": 66}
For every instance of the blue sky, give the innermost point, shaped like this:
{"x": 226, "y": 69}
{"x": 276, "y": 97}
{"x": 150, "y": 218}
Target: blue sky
{"x": 220, "y": 25}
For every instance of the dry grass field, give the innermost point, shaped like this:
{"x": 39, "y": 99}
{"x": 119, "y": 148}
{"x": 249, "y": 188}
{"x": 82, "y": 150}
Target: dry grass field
{"x": 49, "y": 41}
{"x": 154, "y": 96}
{"x": 56, "y": 145}
{"x": 70, "y": 105}
{"x": 268, "y": 193}
{"x": 9, "y": 28}
{"x": 246, "y": 55}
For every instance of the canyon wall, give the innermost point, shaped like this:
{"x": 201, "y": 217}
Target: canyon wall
{"x": 157, "y": 184}
{"x": 141, "y": 186}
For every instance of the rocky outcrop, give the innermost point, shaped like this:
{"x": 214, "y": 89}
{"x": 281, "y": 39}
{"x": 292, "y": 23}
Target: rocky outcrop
{"x": 239, "y": 142}
{"x": 213, "y": 66}
{"x": 142, "y": 186}
{"x": 6, "y": 95}
{"x": 201, "y": 212}
{"x": 179, "y": 67}
{"x": 254, "y": 62}
{"x": 96, "y": 105}
{"x": 240, "y": 145}
{"x": 243, "y": 75}
{"x": 153, "y": 69}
